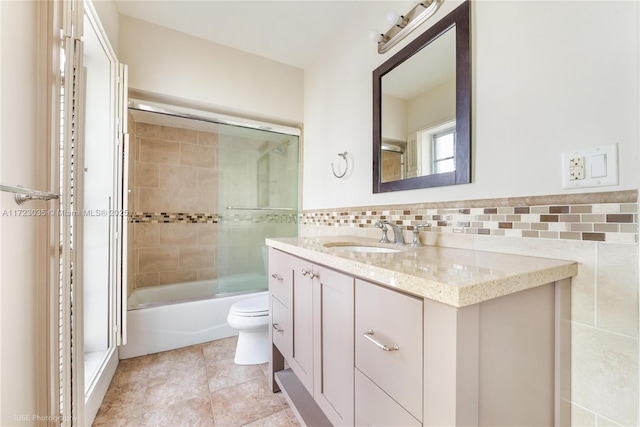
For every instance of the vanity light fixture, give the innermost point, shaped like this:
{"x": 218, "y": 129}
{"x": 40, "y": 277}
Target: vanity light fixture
{"x": 404, "y": 24}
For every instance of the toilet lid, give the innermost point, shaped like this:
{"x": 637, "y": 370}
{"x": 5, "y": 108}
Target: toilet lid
{"x": 257, "y": 306}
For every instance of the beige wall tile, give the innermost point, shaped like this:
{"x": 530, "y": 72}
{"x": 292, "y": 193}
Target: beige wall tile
{"x": 147, "y": 130}
{"x": 179, "y": 135}
{"x": 178, "y": 276}
{"x": 159, "y": 200}
{"x": 585, "y": 253}
{"x": 158, "y": 259}
{"x": 582, "y": 418}
{"x": 198, "y": 201}
{"x": 146, "y": 174}
{"x": 146, "y": 235}
{"x": 605, "y": 422}
{"x": 197, "y": 257}
{"x": 147, "y": 279}
{"x": 173, "y": 176}
{"x": 207, "y": 179}
{"x": 207, "y": 234}
{"x": 198, "y": 155}
{"x": 617, "y": 288}
{"x": 178, "y": 235}
{"x": 605, "y": 373}
{"x": 207, "y": 274}
{"x": 207, "y": 138}
{"x": 157, "y": 151}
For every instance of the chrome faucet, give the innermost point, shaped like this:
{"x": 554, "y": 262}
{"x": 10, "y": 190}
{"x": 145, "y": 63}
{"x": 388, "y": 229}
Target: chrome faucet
{"x": 398, "y": 237}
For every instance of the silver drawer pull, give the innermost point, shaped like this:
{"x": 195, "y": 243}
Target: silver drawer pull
{"x": 277, "y": 328}
{"x": 310, "y": 273}
{"x": 277, "y": 277}
{"x": 369, "y": 335}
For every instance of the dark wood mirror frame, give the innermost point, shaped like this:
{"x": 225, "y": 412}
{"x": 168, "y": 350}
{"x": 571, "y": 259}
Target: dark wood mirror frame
{"x": 459, "y": 18}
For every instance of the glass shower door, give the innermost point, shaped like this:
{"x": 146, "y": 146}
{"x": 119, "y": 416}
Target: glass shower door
{"x": 257, "y": 199}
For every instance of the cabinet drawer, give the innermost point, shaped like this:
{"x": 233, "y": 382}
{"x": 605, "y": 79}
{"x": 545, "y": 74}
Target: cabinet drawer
{"x": 280, "y": 276}
{"x": 281, "y": 327}
{"x": 373, "y": 407}
{"x": 388, "y": 318}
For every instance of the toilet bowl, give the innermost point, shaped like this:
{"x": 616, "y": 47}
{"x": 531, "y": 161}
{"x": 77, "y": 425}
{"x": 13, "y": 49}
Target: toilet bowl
{"x": 250, "y": 317}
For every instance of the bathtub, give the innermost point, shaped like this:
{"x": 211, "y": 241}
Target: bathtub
{"x": 165, "y": 317}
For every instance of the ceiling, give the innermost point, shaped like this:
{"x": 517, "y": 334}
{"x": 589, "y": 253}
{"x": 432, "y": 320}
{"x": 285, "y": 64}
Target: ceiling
{"x": 291, "y": 32}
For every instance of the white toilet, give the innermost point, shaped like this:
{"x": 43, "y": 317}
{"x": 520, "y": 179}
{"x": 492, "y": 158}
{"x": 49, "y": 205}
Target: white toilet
{"x": 250, "y": 317}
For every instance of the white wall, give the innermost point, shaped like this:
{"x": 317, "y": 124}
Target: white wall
{"x": 175, "y": 65}
{"x": 109, "y": 18}
{"x": 21, "y": 285}
{"x": 548, "y": 77}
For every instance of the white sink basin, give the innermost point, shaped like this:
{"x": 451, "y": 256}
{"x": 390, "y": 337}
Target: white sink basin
{"x": 361, "y": 248}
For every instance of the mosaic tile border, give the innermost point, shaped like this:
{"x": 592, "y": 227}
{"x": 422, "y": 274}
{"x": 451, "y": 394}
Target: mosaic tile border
{"x": 600, "y": 217}
{"x": 172, "y": 218}
{"x": 211, "y": 218}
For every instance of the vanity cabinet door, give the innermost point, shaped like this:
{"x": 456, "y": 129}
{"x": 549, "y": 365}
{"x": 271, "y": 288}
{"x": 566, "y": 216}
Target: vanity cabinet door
{"x": 373, "y": 407}
{"x": 333, "y": 345}
{"x": 385, "y": 319}
{"x": 301, "y": 360}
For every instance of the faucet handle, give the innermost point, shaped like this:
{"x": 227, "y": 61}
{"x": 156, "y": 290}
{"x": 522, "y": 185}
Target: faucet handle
{"x": 417, "y": 227}
{"x": 383, "y": 227}
{"x": 416, "y": 233}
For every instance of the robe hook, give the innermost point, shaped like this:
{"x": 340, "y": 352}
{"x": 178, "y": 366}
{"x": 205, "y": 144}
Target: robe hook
{"x": 346, "y": 167}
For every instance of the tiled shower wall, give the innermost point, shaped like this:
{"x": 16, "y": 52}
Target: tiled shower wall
{"x": 173, "y": 192}
{"x": 598, "y": 230}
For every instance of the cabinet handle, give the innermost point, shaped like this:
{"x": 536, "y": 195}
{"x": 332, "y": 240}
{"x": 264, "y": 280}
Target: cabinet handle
{"x": 277, "y": 277}
{"x": 369, "y": 335}
{"x": 310, "y": 273}
{"x": 277, "y": 328}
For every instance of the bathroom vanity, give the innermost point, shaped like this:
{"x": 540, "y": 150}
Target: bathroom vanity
{"x": 371, "y": 334}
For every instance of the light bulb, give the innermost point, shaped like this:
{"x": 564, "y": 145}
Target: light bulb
{"x": 375, "y": 36}
{"x": 394, "y": 18}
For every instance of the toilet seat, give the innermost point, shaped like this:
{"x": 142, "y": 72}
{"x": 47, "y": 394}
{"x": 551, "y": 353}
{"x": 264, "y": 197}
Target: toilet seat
{"x": 251, "y": 307}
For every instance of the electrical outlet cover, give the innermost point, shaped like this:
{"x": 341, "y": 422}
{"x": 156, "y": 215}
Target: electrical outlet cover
{"x": 572, "y": 170}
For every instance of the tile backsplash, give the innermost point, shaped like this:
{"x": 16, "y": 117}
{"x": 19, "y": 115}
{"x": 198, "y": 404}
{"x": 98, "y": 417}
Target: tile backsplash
{"x": 601, "y": 217}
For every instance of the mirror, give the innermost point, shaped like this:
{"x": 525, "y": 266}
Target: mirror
{"x": 422, "y": 110}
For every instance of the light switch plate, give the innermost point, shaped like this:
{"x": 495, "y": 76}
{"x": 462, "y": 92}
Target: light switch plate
{"x": 590, "y": 167}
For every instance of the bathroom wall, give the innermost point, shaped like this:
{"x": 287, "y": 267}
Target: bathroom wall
{"x": 174, "y": 66}
{"x": 24, "y": 160}
{"x": 547, "y": 77}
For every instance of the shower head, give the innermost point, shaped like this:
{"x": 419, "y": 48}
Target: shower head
{"x": 281, "y": 149}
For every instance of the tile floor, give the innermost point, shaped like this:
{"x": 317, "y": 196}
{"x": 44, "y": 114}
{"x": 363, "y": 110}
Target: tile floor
{"x": 193, "y": 386}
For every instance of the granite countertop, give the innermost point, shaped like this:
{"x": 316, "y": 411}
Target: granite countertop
{"x": 457, "y": 277}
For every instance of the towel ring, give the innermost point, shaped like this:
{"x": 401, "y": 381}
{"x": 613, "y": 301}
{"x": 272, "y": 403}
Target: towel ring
{"x": 346, "y": 167}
